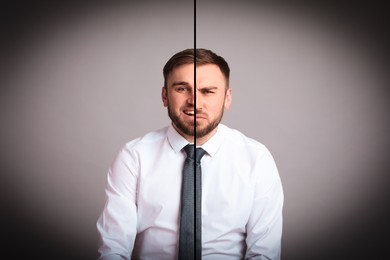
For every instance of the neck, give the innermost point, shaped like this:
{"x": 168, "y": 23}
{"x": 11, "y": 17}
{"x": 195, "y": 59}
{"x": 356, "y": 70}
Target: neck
{"x": 199, "y": 140}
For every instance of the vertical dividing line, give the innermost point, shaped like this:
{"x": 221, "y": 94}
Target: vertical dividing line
{"x": 195, "y": 89}
{"x": 195, "y": 74}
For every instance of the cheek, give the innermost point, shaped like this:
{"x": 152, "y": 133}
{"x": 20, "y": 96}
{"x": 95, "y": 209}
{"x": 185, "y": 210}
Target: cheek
{"x": 174, "y": 102}
{"x": 216, "y": 107}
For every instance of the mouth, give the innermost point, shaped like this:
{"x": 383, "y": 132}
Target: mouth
{"x": 189, "y": 112}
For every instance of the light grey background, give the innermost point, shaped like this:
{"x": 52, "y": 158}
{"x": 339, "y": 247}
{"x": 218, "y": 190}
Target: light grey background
{"x": 80, "y": 84}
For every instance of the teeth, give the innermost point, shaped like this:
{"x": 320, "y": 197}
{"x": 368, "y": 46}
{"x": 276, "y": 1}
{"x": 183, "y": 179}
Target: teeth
{"x": 189, "y": 112}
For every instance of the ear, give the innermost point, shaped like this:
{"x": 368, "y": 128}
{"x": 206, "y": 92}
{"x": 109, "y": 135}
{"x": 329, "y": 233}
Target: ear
{"x": 228, "y": 98}
{"x": 164, "y": 96}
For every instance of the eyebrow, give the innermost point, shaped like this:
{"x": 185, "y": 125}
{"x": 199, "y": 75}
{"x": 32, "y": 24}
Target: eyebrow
{"x": 180, "y": 83}
{"x": 209, "y": 87}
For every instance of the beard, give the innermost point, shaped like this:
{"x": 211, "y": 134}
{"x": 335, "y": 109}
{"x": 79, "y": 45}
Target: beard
{"x": 188, "y": 128}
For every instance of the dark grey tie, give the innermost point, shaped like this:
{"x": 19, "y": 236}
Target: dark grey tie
{"x": 190, "y": 240}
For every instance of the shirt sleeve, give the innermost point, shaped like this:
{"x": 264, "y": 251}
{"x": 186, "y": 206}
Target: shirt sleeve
{"x": 117, "y": 224}
{"x": 264, "y": 227}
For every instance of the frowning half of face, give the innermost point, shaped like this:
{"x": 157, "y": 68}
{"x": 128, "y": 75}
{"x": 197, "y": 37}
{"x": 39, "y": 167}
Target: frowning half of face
{"x": 213, "y": 96}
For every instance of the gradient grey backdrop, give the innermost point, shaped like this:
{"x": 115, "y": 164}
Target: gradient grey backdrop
{"x": 78, "y": 81}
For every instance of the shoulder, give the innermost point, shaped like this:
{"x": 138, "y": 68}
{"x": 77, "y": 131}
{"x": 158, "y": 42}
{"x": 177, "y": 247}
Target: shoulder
{"x": 236, "y": 140}
{"x": 131, "y": 152}
{"x": 147, "y": 141}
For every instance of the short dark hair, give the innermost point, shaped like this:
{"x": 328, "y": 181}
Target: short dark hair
{"x": 203, "y": 57}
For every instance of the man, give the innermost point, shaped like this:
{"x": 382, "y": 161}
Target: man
{"x": 242, "y": 196}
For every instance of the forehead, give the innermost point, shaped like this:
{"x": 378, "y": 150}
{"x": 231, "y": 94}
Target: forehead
{"x": 208, "y": 74}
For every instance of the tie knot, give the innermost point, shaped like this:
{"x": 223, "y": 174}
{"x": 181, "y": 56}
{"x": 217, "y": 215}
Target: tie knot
{"x": 190, "y": 151}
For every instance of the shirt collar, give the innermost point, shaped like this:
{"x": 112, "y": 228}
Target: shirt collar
{"x": 213, "y": 144}
{"x": 177, "y": 141}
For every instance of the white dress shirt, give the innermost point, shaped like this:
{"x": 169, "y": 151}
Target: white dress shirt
{"x": 242, "y": 199}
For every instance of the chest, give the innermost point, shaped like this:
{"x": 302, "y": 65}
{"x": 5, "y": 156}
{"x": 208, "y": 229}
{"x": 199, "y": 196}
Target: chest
{"x": 227, "y": 192}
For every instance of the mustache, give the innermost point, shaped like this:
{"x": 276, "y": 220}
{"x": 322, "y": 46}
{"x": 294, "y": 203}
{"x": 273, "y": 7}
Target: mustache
{"x": 192, "y": 108}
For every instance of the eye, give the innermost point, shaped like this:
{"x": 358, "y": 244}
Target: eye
{"x": 181, "y": 89}
{"x": 207, "y": 91}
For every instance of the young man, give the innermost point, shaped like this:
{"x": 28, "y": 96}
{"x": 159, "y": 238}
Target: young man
{"x": 241, "y": 191}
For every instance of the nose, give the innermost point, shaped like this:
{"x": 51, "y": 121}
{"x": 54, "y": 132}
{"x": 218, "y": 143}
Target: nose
{"x": 194, "y": 99}
{"x": 191, "y": 98}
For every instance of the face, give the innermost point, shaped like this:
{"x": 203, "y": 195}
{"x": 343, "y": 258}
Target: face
{"x": 212, "y": 98}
